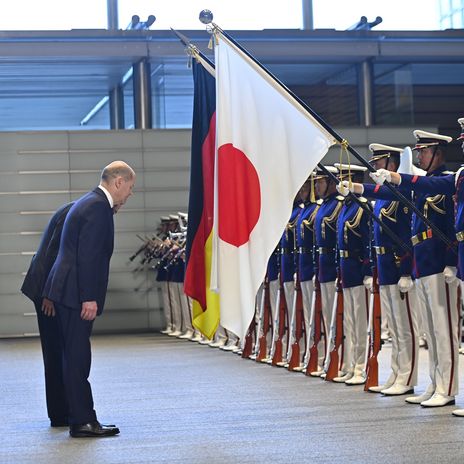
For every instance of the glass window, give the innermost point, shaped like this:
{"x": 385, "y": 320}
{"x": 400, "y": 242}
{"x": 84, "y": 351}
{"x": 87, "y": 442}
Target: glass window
{"x": 49, "y": 15}
{"x": 239, "y": 14}
{"x": 457, "y": 20}
{"x": 421, "y": 93}
{"x": 446, "y": 22}
{"x": 445, "y": 6}
{"x": 456, "y": 4}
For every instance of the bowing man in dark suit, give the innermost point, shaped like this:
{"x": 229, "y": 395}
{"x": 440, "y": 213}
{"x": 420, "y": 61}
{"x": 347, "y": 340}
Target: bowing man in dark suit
{"x": 77, "y": 285}
{"x": 52, "y": 350}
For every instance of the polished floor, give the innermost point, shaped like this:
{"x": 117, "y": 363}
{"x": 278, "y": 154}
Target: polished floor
{"x": 179, "y": 402}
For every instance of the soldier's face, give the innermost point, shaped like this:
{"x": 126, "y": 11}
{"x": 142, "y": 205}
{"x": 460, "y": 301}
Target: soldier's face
{"x": 321, "y": 186}
{"x": 424, "y": 156}
{"x": 304, "y": 191}
{"x": 380, "y": 163}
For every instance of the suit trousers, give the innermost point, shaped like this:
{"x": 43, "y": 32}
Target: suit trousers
{"x": 52, "y": 351}
{"x": 75, "y": 337}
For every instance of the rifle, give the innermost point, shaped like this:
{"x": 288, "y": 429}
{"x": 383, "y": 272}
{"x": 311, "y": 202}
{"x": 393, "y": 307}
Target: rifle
{"x": 295, "y": 357}
{"x": 248, "y": 346}
{"x": 336, "y": 330}
{"x": 316, "y": 329}
{"x": 375, "y": 343}
{"x": 282, "y": 315}
{"x": 266, "y": 323}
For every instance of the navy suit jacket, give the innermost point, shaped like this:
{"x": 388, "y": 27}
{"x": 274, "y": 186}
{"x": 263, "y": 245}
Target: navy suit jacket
{"x": 46, "y": 254}
{"x": 81, "y": 269}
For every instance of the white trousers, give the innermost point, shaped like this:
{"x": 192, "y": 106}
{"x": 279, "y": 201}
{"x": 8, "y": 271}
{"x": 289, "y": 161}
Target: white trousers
{"x": 175, "y": 290}
{"x": 164, "y": 286}
{"x": 307, "y": 288}
{"x": 289, "y": 290}
{"x": 273, "y": 288}
{"x": 401, "y": 317}
{"x": 441, "y": 314}
{"x": 355, "y": 317}
{"x": 186, "y": 308}
{"x": 328, "y": 291}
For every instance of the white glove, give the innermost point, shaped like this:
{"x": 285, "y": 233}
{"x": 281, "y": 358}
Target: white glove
{"x": 450, "y": 274}
{"x": 405, "y": 284}
{"x": 343, "y": 188}
{"x": 368, "y": 283}
{"x": 380, "y": 176}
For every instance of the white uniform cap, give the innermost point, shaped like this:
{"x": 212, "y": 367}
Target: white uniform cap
{"x": 461, "y": 123}
{"x": 380, "y": 151}
{"x": 429, "y": 139}
{"x": 350, "y": 167}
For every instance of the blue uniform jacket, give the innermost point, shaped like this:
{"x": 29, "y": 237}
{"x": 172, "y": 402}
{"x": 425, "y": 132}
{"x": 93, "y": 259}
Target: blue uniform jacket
{"x": 353, "y": 239}
{"x": 447, "y": 185}
{"x": 43, "y": 260}
{"x": 305, "y": 241}
{"x": 431, "y": 255}
{"x": 273, "y": 265}
{"x": 81, "y": 270}
{"x": 392, "y": 261}
{"x": 325, "y": 224}
{"x": 287, "y": 247}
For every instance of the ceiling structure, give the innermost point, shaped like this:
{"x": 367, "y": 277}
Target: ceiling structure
{"x": 53, "y": 79}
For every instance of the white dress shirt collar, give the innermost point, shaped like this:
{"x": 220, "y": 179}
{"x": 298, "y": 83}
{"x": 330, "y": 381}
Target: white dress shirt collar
{"x": 108, "y": 195}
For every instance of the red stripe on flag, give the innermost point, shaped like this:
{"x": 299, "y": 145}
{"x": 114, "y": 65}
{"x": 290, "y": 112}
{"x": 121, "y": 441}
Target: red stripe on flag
{"x": 195, "y": 279}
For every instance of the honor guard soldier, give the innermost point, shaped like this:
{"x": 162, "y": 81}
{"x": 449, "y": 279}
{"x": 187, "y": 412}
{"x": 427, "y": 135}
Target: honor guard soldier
{"x": 325, "y": 227}
{"x": 305, "y": 257}
{"x": 435, "y": 265}
{"x": 394, "y": 265}
{"x": 162, "y": 279}
{"x": 304, "y": 234}
{"x": 175, "y": 278}
{"x": 273, "y": 282}
{"x": 353, "y": 243}
{"x": 287, "y": 273}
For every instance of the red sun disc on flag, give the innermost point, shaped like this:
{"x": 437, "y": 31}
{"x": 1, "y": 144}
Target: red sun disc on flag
{"x": 239, "y": 195}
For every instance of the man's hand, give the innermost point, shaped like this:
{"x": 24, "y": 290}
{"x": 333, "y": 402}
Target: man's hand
{"x": 48, "y": 307}
{"x": 343, "y": 188}
{"x": 450, "y": 274}
{"x": 89, "y": 310}
{"x": 368, "y": 283}
{"x": 405, "y": 284}
{"x": 380, "y": 176}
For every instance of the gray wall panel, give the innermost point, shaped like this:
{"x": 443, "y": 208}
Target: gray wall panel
{"x": 32, "y": 202}
{"x": 54, "y": 167}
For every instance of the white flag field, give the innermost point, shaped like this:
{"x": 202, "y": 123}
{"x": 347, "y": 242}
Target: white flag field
{"x": 267, "y": 146}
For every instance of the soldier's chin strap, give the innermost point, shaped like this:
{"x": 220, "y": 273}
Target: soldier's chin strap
{"x": 431, "y": 159}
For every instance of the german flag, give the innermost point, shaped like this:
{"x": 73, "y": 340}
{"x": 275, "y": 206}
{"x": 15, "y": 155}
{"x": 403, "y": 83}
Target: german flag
{"x": 201, "y": 201}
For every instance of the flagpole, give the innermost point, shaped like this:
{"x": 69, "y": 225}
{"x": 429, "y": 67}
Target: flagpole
{"x": 216, "y": 29}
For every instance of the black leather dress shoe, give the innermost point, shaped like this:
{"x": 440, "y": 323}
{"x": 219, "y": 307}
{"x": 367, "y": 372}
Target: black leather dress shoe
{"x": 92, "y": 429}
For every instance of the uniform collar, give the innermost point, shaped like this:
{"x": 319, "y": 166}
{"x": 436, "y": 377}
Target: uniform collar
{"x": 439, "y": 170}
